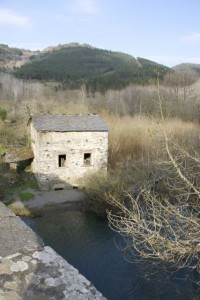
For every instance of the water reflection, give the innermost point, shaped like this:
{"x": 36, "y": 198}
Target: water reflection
{"x": 87, "y": 243}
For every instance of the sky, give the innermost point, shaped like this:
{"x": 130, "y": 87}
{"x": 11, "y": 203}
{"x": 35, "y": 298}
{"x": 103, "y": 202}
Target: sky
{"x": 165, "y": 31}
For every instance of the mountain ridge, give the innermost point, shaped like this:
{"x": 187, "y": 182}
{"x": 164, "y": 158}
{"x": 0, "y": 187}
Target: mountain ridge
{"x": 74, "y": 64}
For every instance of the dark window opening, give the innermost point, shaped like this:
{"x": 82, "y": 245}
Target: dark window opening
{"x": 61, "y": 160}
{"x": 87, "y": 159}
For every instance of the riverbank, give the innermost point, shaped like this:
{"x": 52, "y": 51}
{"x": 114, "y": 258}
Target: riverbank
{"x": 71, "y": 198}
{"x": 31, "y": 270}
{"x": 74, "y": 199}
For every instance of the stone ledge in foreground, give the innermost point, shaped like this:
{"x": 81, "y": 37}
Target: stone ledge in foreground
{"x": 30, "y": 270}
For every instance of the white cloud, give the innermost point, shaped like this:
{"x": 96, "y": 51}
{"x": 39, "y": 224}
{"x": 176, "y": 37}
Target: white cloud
{"x": 10, "y": 18}
{"x": 85, "y": 6}
{"x": 194, "y": 37}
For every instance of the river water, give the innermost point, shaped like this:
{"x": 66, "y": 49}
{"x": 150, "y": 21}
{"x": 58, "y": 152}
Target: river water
{"x": 87, "y": 243}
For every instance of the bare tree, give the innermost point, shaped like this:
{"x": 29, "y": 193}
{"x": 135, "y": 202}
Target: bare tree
{"x": 163, "y": 226}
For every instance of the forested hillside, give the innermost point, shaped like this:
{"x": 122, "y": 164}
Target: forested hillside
{"x": 73, "y": 66}
{"x": 98, "y": 69}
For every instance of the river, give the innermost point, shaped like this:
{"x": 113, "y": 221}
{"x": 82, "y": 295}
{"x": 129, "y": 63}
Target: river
{"x": 87, "y": 243}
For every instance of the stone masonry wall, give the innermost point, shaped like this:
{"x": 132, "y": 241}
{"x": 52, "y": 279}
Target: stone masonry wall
{"x": 47, "y": 146}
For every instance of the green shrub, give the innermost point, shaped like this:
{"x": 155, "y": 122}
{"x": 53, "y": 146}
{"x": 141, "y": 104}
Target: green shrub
{"x": 3, "y": 114}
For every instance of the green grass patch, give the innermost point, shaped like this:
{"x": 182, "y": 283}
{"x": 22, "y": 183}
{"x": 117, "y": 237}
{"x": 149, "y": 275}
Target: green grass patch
{"x": 25, "y": 196}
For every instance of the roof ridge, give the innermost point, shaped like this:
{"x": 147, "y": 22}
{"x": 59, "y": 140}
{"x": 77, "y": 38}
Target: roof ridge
{"x": 62, "y": 123}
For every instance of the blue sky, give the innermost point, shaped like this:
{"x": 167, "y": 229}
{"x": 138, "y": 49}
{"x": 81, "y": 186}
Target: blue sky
{"x": 166, "y": 31}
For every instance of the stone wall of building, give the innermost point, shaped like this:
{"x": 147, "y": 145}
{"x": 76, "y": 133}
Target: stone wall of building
{"x": 63, "y": 158}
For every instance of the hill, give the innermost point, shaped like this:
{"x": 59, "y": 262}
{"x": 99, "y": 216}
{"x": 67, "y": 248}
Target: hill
{"x": 99, "y": 70}
{"x": 188, "y": 67}
{"x": 11, "y": 57}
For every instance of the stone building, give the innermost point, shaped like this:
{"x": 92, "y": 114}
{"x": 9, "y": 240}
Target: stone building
{"x": 66, "y": 148}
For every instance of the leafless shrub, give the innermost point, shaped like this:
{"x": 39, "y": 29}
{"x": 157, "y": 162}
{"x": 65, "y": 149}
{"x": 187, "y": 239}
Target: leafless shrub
{"x": 163, "y": 228}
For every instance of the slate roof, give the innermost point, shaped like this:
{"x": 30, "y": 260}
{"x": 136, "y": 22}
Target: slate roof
{"x": 63, "y": 123}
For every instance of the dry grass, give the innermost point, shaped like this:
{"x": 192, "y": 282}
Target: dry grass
{"x": 139, "y": 137}
{"x": 71, "y": 108}
{"x": 14, "y": 134}
{"x": 137, "y": 154}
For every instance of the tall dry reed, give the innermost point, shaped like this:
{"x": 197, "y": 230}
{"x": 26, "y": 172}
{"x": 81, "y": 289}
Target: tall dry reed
{"x": 139, "y": 137}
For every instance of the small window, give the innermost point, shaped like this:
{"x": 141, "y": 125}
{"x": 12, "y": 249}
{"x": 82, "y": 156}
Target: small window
{"x": 61, "y": 160}
{"x": 87, "y": 159}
